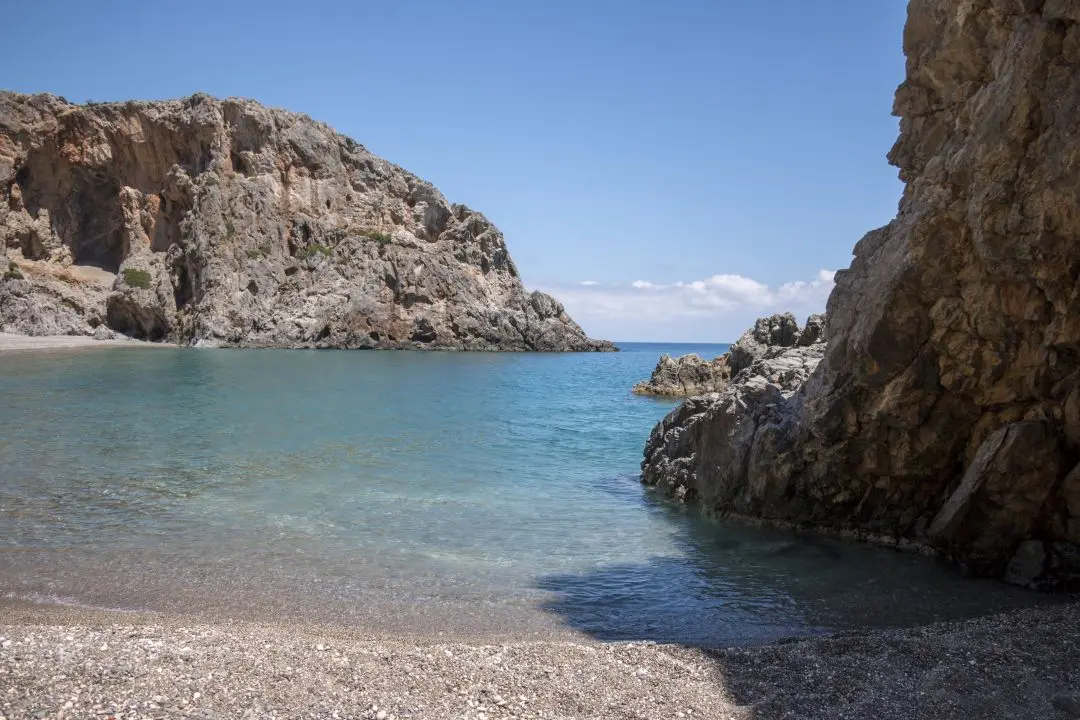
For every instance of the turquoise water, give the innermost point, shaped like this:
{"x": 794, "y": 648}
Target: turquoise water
{"x": 456, "y": 491}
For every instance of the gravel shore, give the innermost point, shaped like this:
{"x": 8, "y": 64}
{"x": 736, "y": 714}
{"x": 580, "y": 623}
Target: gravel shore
{"x": 13, "y": 342}
{"x": 56, "y": 663}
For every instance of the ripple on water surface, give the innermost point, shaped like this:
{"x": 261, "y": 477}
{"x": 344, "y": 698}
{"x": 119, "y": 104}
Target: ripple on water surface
{"x": 472, "y": 492}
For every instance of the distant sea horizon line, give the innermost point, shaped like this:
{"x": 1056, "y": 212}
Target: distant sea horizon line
{"x": 674, "y": 342}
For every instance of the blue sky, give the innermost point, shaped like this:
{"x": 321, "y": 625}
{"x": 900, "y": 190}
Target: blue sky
{"x": 697, "y": 162}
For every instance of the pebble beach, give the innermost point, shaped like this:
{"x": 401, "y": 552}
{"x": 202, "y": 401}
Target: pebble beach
{"x": 71, "y": 663}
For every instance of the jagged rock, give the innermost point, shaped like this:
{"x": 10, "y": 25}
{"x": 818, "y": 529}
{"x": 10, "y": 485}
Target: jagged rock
{"x": 690, "y": 375}
{"x": 257, "y": 227}
{"x": 813, "y": 332}
{"x": 686, "y": 376}
{"x": 46, "y": 299}
{"x": 142, "y": 304}
{"x": 955, "y": 331}
{"x": 718, "y": 430}
{"x": 774, "y": 331}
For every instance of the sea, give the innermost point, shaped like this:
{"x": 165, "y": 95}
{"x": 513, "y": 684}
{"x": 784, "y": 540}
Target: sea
{"x": 443, "y": 493}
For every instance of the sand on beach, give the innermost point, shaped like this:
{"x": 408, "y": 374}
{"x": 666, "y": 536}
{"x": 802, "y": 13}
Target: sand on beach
{"x": 70, "y": 662}
{"x": 14, "y": 342}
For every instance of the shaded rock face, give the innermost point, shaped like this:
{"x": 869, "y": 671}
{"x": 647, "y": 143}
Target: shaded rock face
{"x": 719, "y": 428}
{"x": 222, "y": 222}
{"x": 689, "y": 375}
{"x": 946, "y": 409}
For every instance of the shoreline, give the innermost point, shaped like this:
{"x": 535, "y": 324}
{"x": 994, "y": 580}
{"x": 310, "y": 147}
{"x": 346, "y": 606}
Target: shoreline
{"x": 16, "y": 342}
{"x": 1023, "y": 663}
{"x": 12, "y": 342}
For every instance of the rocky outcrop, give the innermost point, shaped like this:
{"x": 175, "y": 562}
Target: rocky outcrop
{"x": 768, "y": 332}
{"x": 945, "y": 412}
{"x": 686, "y": 376}
{"x": 222, "y": 222}
{"x": 689, "y": 375}
{"x": 719, "y": 428}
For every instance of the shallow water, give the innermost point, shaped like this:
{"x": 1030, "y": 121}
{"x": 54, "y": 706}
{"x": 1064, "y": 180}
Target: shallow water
{"x": 436, "y": 491}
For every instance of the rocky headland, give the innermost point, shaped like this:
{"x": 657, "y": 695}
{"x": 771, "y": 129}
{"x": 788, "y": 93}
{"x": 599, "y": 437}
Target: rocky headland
{"x": 690, "y": 375}
{"x": 226, "y": 223}
{"x": 945, "y": 410}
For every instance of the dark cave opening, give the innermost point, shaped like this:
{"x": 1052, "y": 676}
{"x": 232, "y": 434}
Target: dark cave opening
{"x": 182, "y": 290}
{"x": 238, "y": 163}
{"x": 95, "y": 224}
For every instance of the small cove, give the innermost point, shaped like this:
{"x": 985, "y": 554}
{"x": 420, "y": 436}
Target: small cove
{"x": 459, "y": 492}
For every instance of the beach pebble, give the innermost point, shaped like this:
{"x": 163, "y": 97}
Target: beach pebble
{"x": 838, "y": 678}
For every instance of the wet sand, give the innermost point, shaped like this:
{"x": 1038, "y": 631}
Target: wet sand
{"x": 71, "y": 662}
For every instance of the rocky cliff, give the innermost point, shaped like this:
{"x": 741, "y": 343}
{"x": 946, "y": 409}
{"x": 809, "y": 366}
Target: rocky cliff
{"x": 689, "y": 375}
{"x": 718, "y": 428}
{"x": 222, "y": 222}
{"x": 945, "y": 412}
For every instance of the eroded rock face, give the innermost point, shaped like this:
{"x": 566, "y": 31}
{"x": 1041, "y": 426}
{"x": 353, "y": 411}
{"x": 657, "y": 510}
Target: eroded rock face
{"x": 946, "y": 410}
{"x": 689, "y": 375}
{"x": 222, "y": 222}
{"x": 718, "y": 430}
{"x": 768, "y": 332}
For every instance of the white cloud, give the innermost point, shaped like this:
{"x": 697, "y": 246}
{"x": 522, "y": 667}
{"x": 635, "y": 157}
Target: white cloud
{"x": 813, "y": 288}
{"x": 589, "y": 283}
{"x": 717, "y": 308}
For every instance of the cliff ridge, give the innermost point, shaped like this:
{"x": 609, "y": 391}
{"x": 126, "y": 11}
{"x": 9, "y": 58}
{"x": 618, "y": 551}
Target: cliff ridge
{"x": 224, "y": 222}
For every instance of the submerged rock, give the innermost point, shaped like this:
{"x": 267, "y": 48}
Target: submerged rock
{"x": 945, "y": 411}
{"x": 223, "y": 222}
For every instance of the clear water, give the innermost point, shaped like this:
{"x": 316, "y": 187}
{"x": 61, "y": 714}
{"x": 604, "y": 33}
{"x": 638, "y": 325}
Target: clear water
{"x": 441, "y": 492}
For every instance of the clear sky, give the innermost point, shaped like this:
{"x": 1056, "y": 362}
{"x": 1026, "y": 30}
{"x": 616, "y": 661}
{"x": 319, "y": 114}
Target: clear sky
{"x": 670, "y": 170}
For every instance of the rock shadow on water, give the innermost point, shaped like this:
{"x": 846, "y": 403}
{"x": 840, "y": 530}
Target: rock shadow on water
{"x": 733, "y": 585}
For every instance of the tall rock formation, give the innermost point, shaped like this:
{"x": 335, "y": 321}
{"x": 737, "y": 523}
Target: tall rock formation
{"x": 222, "y": 222}
{"x": 946, "y": 410}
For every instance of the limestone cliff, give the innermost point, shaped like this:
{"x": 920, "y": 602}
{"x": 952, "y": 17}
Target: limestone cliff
{"x": 946, "y": 410}
{"x": 223, "y": 222}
